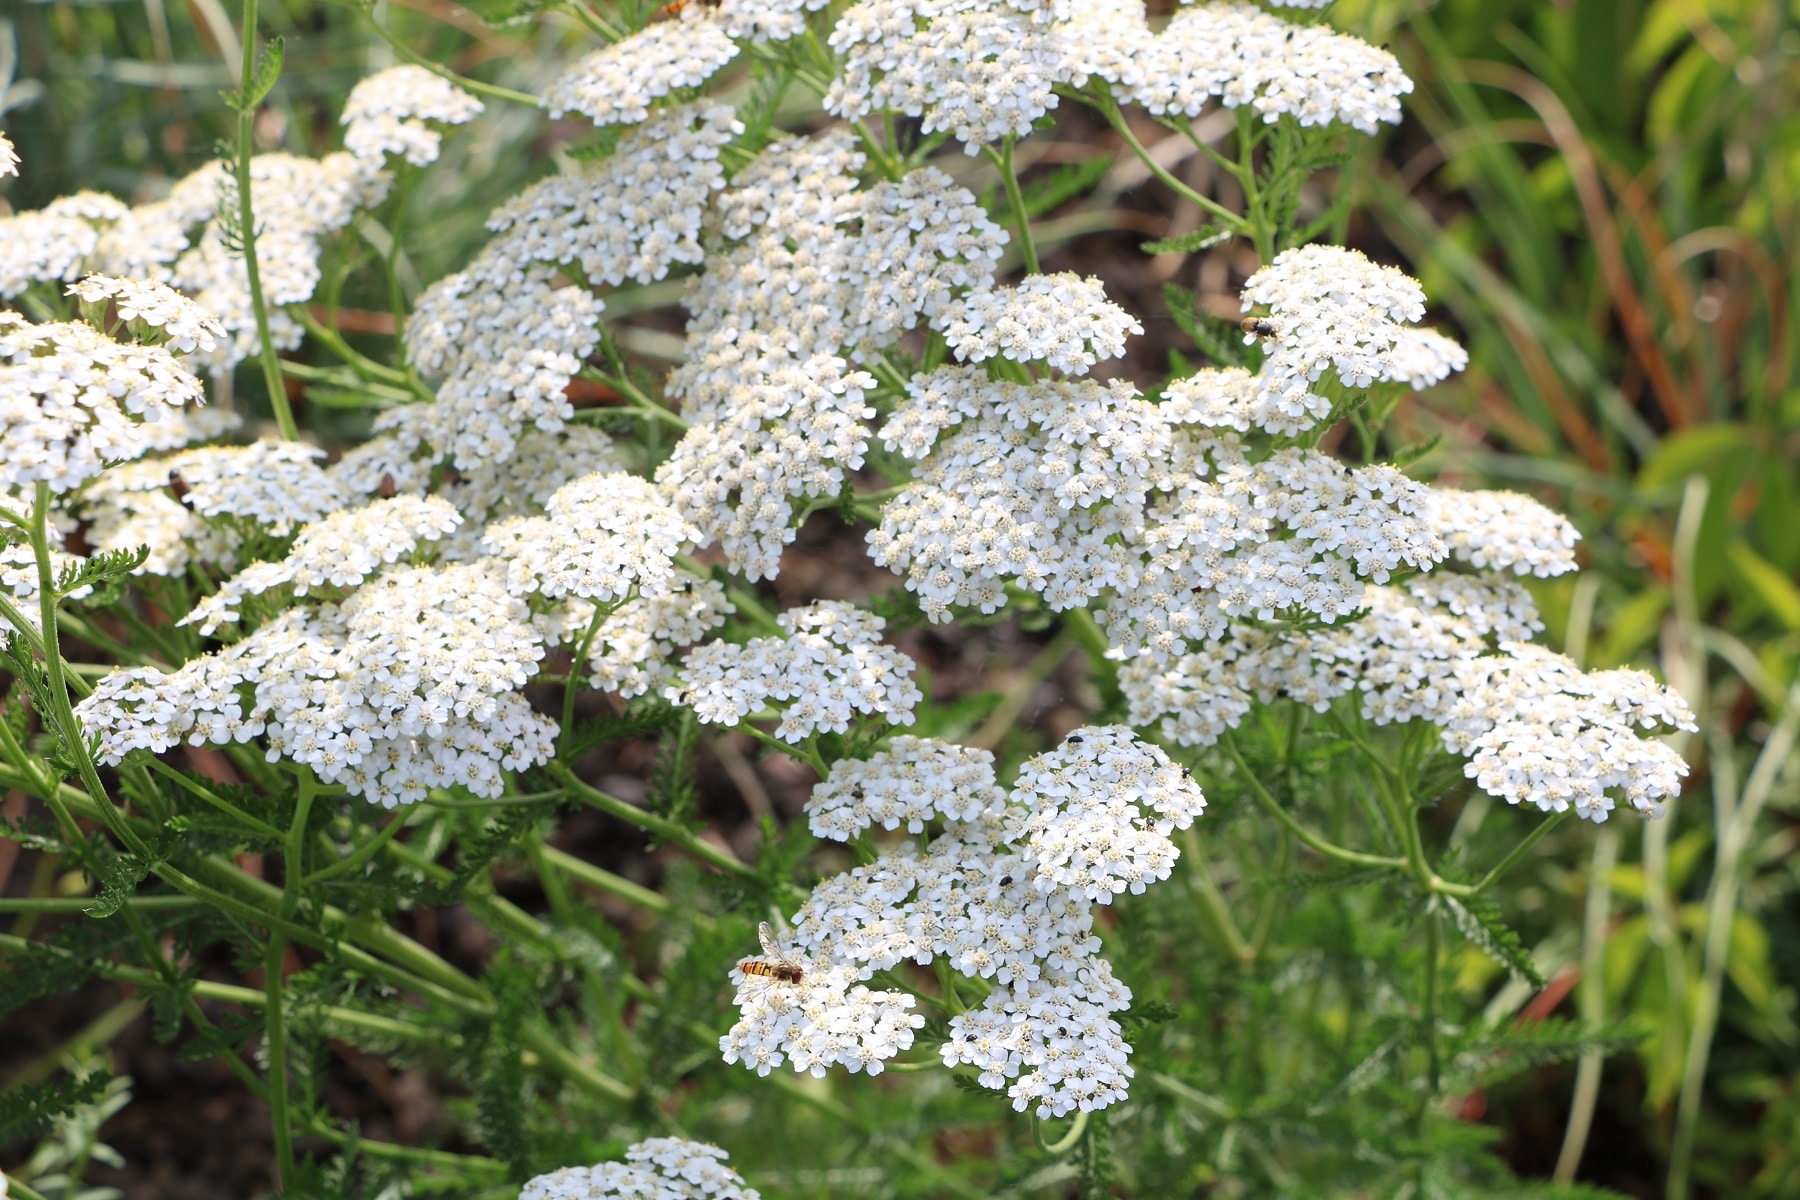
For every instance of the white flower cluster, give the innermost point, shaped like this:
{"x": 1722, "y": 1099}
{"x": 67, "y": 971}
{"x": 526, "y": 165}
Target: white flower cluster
{"x": 910, "y": 782}
{"x": 815, "y": 270}
{"x": 630, "y": 216}
{"x": 789, "y": 435}
{"x": 1402, "y": 656}
{"x": 1102, "y": 806}
{"x": 1041, "y": 484}
{"x": 386, "y": 114}
{"x": 1448, "y": 649}
{"x": 278, "y": 485}
{"x": 1540, "y": 730}
{"x": 1062, "y": 320}
{"x": 73, "y": 400}
{"x": 830, "y": 666}
{"x": 144, "y": 305}
{"x": 409, "y": 684}
{"x": 1293, "y": 534}
{"x": 9, "y": 165}
{"x": 339, "y": 551}
{"x": 617, "y": 84}
{"x": 633, "y": 651}
{"x": 664, "y": 1168}
{"x": 130, "y": 505}
{"x": 981, "y": 69}
{"x": 1236, "y": 54}
{"x": 1330, "y": 309}
{"x": 186, "y": 240}
{"x": 822, "y": 1018}
{"x": 298, "y": 203}
{"x": 1503, "y": 531}
{"x": 19, "y": 578}
{"x": 758, "y": 20}
{"x": 602, "y": 537}
{"x": 1003, "y": 894}
{"x": 51, "y": 244}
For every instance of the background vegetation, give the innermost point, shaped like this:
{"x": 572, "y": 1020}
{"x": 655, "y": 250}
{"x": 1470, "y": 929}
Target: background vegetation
{"x": 1599, "y": 197}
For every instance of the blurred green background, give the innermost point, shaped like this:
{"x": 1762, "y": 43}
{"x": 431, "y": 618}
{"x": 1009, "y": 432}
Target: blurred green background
{"x": 1600, "y": 198}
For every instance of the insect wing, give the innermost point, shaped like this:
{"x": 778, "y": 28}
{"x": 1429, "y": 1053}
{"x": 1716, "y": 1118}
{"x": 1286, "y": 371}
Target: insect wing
{"x": 774, "y": 949}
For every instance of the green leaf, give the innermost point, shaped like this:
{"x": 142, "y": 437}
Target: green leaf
{"x": 1767, "y": 582}
{"x": 103, "y": 572}
{"x": 1219, "y": 339}
{"x": 267, "y": 71}
{"x": 1695, "y": 451}
{"x": 1204, "y": 238}
{"x": 1478, "y": 919}
{"x": 29, "y": 1109}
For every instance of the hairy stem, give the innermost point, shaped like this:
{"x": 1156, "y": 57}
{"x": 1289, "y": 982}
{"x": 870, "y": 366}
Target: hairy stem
{"x": 246, "y": 147}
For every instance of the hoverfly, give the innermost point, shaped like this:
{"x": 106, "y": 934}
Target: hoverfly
{"x": 781, "y": 966}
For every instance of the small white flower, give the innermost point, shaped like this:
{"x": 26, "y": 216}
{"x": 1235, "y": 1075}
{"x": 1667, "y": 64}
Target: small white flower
{"x": 664, "y": 1168}
{"x": 386, "y": 114}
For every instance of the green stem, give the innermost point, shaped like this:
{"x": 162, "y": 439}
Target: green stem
{"x": 462, "y": 81}
{"x": 1306, "y": 836}
{"x": 1512, "y": 857}
{"x": 807, "y": 753}
{"x": 1003, "y": 159}
{"x": 1065, "y": 1143}
{"x": 365, "y": 367}
{"x": 274, "y": 1018}
{"x": 1429, "y": 1016}
{"x": 69, "y": 904}
{"x": 361, "y": 854}
{"x": 606, "y": 881}
{"x": 578, "y": 666}
{"x": 1259, "y": 231}
{"x": 637, "y": 400}
{"x": 1225, "y": 216}
{"x": 1214, "y": 915}
{"x": 246, "y": 147}
{"x": 667, "y": 830}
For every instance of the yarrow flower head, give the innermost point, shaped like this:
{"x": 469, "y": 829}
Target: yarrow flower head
{"x": 72, "y": 400}
{"x": 1004, "y": 893}
{"x": 630, "y": 216}
{"x": 146, "y": 306}
{"x": 1040, "y": 484}
{"x": 1237, "y": 54}
{"x": 829, "y": 667}
{"x": 910, "y": 782}
{"x": 602, "y": 536}
{"x": 1062, "y": 320}
{"x": 409, "y": 684}
{"x": 387, "y": 114}
{"x": 1102, "y": 807}
{"x": 1329, "y": 309}
{"x": 617, "y": 84}
{"x": 1503, "y": 531}
{"x": 980, "y": 69}
{"x": 792, "y": 435}
{"x": 816, "y": 1017}
{"x": 1539, "y": 730}
{"x": 278, "y": 485}
{"x": 340, "y": 551}
{"x": 664, "y": 1168}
